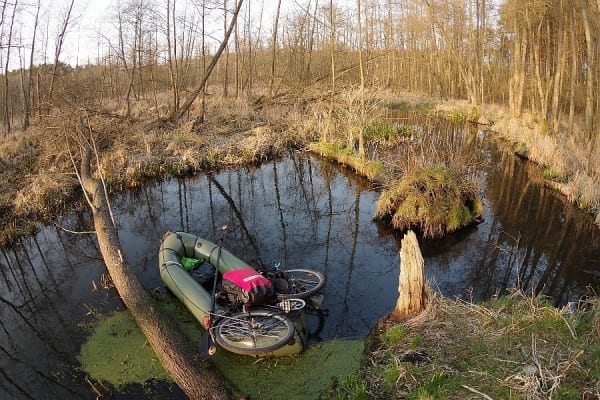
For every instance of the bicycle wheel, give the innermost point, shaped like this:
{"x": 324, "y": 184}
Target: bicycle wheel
{"x": 301, "y": 283}
{"x": 254, "y": 332}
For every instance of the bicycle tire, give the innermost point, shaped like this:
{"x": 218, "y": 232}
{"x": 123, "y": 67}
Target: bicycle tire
{"x": 254, "y": 332}
{"x": 303, "y": 283}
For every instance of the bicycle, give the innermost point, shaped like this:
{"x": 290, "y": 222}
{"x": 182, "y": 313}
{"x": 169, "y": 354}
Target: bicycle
{"x": 301, "y": 283}
{"x": 267, "y": 328}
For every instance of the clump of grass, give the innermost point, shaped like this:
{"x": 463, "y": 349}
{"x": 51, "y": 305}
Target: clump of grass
{"x": 457, "y": 116}
{"x": 381, "y": 131}
{"x": 554, "y": 176}
{"x": 351, "y": 387}
{"x": 585, "y": 192}
{"x": 434, "y": 199}
{"x": 474, "y": 115}
{"x": 394, "y": 335}
{"x": 512, "y": 347}
{"x": 371, "y": 169}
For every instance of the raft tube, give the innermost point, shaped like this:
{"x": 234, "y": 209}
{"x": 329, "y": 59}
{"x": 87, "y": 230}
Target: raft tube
{"x": 194, "y": 296}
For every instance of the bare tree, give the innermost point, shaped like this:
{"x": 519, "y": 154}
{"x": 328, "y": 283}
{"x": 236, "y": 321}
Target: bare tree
{"x": 361, "y": 139}
{"x": 60, "y": 40}
{"x": 8, "y": 45}
{"x": 274, "y": 48}
{"x": 177, "y": 114}
{"x": 27, "y": 93}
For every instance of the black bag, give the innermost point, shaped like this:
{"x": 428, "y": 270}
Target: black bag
{"x": 246, "y": 286}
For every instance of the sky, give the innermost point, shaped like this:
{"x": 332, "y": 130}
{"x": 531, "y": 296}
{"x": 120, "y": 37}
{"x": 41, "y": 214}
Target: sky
{"x": 94, "y": 17}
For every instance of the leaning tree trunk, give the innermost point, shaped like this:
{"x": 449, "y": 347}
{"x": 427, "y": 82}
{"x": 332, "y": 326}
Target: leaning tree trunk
{"x": 411, "y": 287}
{"x": 175, "y": 351}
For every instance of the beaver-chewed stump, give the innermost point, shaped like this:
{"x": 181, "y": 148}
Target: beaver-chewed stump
{"x": 434, "y": 200}
{"x": 411, "y": 286}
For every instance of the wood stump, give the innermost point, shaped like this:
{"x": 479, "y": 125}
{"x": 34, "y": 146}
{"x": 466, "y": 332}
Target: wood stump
{"x": 411, "y": 283}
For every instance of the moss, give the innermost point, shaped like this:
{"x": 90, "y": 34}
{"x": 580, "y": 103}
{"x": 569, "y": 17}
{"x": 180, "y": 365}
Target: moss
{"x": 117, "y": 353}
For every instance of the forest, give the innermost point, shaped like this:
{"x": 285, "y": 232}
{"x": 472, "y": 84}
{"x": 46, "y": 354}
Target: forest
{"x": 541, "y": 56}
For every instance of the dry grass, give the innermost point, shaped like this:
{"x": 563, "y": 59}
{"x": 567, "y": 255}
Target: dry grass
{"x": 434, "y": 200}
{"x": 37, "y": 172}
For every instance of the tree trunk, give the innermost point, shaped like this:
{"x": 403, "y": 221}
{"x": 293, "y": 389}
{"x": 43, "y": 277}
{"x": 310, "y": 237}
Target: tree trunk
{"x": 411, "y": 287}
{"x": 590, "y": 59}
{"x": 173, "y": 348}
{"x": 274, "y": 50}
{"x": 361, "y": 140}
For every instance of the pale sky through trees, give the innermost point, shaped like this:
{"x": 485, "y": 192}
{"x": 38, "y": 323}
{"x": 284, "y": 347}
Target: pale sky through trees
{"x": 93, "y": 19}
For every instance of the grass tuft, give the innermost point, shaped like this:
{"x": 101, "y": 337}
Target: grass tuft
{"x": 434, "y": 200}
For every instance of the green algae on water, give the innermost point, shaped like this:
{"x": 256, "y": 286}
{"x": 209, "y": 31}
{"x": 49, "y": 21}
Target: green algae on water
{"x": 301, "y": 377}
{"x": 118, "y": 353}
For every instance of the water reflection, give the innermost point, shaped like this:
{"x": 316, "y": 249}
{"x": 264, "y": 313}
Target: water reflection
{"x": 301, "y": 212}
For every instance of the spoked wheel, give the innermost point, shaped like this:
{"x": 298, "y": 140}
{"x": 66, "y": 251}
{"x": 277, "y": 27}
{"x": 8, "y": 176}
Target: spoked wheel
{"x": 254, "y": 332}
{"x": 301, "y": 283}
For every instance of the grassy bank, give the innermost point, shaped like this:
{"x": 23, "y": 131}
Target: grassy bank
{"x": 373, "y": 170}
{"x": 513, "y": 347}
{"x": 38, "y": 179}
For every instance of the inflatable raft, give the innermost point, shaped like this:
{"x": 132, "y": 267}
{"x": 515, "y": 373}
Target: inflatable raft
{"x": 178, "y": 245}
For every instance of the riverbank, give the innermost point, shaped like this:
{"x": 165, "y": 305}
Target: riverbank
{"x": 147, "y": 150}
{"x": 39, "y": 182}
{"x": 569, "y": 164}
{"x": 514, "y": 347}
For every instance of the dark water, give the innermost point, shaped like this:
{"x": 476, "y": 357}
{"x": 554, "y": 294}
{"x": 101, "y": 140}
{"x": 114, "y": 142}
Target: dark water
{"x": 301, "y": 212}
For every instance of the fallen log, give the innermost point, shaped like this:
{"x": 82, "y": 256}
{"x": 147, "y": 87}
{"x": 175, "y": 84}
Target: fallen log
{"x": 175, "y": 350}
